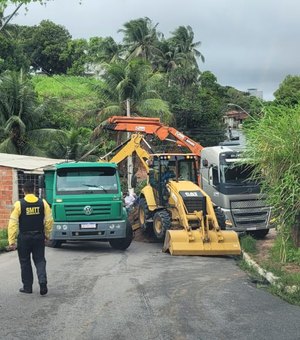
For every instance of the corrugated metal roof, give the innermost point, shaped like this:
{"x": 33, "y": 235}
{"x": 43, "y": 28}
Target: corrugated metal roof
{"x": 26, "y": 162}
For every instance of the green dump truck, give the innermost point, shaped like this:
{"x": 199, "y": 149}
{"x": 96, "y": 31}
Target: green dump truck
{"x": 87, "y": 204}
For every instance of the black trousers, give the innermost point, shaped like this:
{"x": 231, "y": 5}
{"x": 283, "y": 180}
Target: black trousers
{"x": 34, "y": 244}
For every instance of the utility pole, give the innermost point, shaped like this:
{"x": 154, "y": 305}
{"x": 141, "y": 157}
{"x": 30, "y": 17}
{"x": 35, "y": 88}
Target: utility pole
{"x": 129, "y": 159}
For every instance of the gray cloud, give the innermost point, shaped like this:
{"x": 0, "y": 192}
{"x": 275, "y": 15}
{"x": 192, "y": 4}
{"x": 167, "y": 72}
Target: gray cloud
{"x": 246, "y": 44}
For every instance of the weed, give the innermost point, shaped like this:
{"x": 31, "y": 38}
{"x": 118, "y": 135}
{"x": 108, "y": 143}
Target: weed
{"x": 248, "y": 244}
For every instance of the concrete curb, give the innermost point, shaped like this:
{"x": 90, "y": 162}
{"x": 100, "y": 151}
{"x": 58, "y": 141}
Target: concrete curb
{"x": 270, "y": 277}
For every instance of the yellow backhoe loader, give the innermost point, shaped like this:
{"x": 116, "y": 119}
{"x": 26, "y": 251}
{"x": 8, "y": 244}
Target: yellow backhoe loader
{"x": 173, "y": 204}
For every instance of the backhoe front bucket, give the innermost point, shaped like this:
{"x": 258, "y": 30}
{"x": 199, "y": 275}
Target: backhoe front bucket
{"x": 182, "y": 242}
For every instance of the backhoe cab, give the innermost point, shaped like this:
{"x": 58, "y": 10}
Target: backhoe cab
{"x": 179, "y": 212}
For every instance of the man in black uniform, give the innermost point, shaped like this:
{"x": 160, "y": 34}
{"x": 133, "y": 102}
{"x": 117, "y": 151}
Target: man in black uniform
{"x": 32, "y": 217}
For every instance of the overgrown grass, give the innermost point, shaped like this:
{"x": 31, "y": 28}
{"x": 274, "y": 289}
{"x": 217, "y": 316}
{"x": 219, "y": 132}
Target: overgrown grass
{"x": 274, "y": 149}
{"x": 3, "y": 239}
{"x": 74, "y": 100}
{"x": 288, "y": 284}
{"x": 248, "y": 244}
{"x": 292, "y": 253}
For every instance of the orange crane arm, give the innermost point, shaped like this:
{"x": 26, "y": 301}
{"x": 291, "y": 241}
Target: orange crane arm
{"x": 151, "y": 126}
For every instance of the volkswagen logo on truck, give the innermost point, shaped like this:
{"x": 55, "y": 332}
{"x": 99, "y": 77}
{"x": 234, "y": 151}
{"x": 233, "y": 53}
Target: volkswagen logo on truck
{"x": 88, "y": 210}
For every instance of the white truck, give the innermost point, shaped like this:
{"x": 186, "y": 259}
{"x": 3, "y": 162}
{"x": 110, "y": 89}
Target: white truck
{"x": 230, "y": 186}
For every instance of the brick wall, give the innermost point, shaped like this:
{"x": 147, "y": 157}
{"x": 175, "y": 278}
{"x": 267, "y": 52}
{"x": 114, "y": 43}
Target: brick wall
{"x": 6, "y": 195}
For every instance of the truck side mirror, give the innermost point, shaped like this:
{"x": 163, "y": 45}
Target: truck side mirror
{"x": 41, "y": 181}
{"x": 213, "y": 176}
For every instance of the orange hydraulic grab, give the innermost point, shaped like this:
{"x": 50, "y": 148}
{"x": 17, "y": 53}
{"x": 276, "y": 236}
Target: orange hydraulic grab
{"x": 152, "y": 126}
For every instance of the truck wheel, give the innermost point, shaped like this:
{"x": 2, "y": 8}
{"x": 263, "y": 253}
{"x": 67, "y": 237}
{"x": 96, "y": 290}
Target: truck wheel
{"x": 221, "y": 218}
{"x": 144, "y": 215}
{"x": 123, "y": 243}
{"x": 258, "y": 234}
{"x": 54, "y": 243}
{"x": 161, "y": 223}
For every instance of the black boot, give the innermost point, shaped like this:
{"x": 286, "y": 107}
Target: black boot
{"x": 43, "y": 289}
{"x": 25, "y": 290}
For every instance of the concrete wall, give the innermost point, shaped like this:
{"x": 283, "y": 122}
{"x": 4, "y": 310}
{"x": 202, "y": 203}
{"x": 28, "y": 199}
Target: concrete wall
{"x": 7, "y": 194}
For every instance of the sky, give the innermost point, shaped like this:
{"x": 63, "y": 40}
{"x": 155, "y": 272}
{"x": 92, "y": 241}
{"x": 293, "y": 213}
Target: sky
{"x": 246, "y": 44}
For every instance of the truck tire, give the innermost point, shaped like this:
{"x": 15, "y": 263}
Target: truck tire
{"x": 161, "y": 223}
{"x": 122, "y": 243}
{"x": 144, "y": 215}
{"x": 54, "y": 243}
{"x": 221, "y": 218}
{"x": 258, "y": 234}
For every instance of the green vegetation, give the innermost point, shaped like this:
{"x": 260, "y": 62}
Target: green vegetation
{"x": 288, "y": 284}
{"x": 292, "y": 253}
{"x": 3, "y": 239}
{"x": 161, "y": 77}
{"x": 248, "y": 244}
{"x": 274, "y": 148}
{"x": 71, "y": 101}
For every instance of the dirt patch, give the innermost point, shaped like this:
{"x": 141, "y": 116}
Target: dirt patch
{"x": 263, "y": 255}
{"x": 264, "y": 246}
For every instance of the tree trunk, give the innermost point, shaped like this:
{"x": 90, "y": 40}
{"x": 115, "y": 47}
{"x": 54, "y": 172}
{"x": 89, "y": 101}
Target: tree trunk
{"x": 296, "y": 232}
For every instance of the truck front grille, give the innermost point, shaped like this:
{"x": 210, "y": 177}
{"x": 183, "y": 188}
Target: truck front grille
{"x": 195, "y": 204}
{"x": 78, "y": 210}
{"x": 250, "y": 214}
{"x": 248, "y": 204}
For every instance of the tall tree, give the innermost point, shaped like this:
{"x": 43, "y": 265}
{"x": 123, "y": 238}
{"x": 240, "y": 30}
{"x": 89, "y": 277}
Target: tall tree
{"x": 73, "y": 144}
{"x": 76, "y": 56}
{"x": 47, "y": 47}
{"x": 20, "y": 116}
{"x": 103, "y": 50}
{"x": 183, "y": 40}
{"x": 288, "y": 93}
{"x": 136, "y": 81}
{"x": 141, "y": 38}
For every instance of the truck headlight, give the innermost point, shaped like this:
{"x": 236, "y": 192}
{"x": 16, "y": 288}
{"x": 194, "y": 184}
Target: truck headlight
{"x": 65, "y": 227}
{"x": 58, "y": 227}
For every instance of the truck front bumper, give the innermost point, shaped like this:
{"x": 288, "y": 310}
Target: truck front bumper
{"x": 103, "y": 230}
{"x": 241, "y": 220}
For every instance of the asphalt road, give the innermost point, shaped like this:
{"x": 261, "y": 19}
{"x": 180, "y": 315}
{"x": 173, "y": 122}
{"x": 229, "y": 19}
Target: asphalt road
{"x": 96, "y": 292}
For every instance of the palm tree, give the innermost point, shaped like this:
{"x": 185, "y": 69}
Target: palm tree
{"x": 141, "y": 38}
{"x": 134, "y": 80}
{"x": 103, "y": 50}
{"x": 20, "y": 116}
{"x": 73, "y": 144}
{"x": 183, "y": 40}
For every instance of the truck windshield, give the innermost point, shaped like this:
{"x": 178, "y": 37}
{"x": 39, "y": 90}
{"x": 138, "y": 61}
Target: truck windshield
{"x": 236, "y": 174}
{"x": 88, "y": 180}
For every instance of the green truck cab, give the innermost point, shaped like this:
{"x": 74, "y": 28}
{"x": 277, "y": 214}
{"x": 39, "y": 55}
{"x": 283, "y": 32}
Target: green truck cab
{"x": 87, "y": 204}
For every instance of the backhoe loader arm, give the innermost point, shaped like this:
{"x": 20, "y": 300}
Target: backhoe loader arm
{"x": 151, "y": 126}
{"x": 127, "y": 149}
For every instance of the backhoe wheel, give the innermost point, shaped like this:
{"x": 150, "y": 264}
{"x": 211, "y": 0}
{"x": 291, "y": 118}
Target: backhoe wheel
{"x": 123, "y": 243}
{"x": 161, "y": 223}
{"x": 144, "y": 215}
{"x": 221, "y": 218}
{"x": 258, "y": 234}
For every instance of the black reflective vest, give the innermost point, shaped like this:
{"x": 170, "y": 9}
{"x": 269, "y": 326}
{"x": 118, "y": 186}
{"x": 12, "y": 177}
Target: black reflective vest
{"x": 32, "y": 216}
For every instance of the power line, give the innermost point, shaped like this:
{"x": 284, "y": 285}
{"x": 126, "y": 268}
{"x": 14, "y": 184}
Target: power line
{"x": 10, "y": 17}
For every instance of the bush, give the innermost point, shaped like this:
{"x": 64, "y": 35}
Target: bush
{"x": 273, "y": 146}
